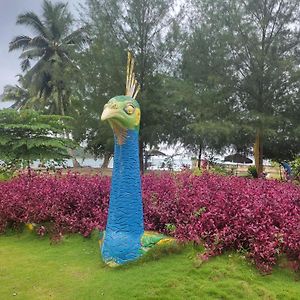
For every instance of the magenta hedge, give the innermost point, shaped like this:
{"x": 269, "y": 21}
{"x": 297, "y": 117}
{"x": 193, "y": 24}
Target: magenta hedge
{"x": 260, "y": 217}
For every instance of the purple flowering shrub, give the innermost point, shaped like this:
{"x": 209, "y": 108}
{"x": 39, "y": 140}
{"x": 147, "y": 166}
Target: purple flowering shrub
{"x": 261, "y": 217}
{"x": 71, "y": 203}
{"x": 258, "y": 217}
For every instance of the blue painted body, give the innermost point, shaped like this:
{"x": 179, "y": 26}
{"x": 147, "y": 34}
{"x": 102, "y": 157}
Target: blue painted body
{"x": 125, "y": 226}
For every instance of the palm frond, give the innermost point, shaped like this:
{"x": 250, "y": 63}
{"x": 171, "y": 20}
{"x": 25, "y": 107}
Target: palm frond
{"x": 49, "y": 9}
{"x": 32, "y": 53}
{"x": 18, "y": 94}
{"x": 64, "y": 56}
{"x": 32, "y": 20}
{"x": 57, "y": 18}
{"x": 77, "y": 37}
{"x": 21, "y": 41}
{"x": 35, "y": 74}
{"x": 25, "y": 64}
{"x": 39, "y": 42}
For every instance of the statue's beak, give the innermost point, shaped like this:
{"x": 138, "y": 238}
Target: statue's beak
{"x": 108, "y": 113}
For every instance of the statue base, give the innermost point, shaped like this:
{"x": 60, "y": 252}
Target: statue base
{"x": 149, "y": 240}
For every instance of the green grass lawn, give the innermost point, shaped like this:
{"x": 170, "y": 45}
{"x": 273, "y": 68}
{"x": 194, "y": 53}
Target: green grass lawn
{"x": 31, "y": 268}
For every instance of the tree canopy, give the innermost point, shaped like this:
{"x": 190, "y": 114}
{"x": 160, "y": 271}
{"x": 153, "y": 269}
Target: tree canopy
{"x": 51, "y": 52}
{"x": 246, "y": 52}
{"x": 26, "y": 136}
{"x": 215, "y": 75}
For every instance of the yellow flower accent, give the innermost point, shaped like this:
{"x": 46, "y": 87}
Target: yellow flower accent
{"x": 166, "y": 241}
{"x": 29, "y": 226}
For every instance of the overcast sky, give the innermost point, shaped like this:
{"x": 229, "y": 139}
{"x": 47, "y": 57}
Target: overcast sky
{"x": 9, "y": 10}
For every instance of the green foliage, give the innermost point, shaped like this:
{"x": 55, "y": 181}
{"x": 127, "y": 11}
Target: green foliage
{"x": 200, "y": 211}
{"x": 295, "y": 164}
{"x": 218, "y": 169}
{"x": 51, "y": 51}
{"x": 170, "y": 227}
{"x": 5, "y": 174}
{"x": 27, "y": 136}
{"x": 8, "y": 168}
{"x": 252, "y": 171}
{"x": 210, "y": 83}
{"x": 102, "y": 76}
{"x": 197, "y": 172}
{"x": 18, "y": 94}
{"x": 114, "y": 26}
{"x": 243, "y": 55}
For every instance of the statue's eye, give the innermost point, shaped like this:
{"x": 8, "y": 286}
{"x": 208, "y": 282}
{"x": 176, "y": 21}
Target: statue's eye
{"x": 129, "y": 109}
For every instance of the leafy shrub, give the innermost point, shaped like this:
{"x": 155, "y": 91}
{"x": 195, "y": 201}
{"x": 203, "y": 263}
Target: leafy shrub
{"x": 219, "y": 169}
{"x": 197, "y": 172}
{"x": 222, "y": 213}
{"x": 57, "y": 204}
{"x": 7, "y": 170}
{"x": 295, "y": 164}
{"x": 252, "y": 171}
{"x": 261, "y": 216}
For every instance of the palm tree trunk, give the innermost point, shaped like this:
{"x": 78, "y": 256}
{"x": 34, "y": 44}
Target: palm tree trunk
{"x": 258, "y": 152}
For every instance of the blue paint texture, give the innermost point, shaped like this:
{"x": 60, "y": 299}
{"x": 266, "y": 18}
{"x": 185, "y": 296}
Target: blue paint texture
{"x": 125, "y": 226}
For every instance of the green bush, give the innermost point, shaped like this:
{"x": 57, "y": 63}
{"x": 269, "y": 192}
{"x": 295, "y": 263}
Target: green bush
{"x": 252, "y": 171}
{"x": 295, "y": 164}
{"x": 7, "y": 170}
{"x": 217, "y": 169}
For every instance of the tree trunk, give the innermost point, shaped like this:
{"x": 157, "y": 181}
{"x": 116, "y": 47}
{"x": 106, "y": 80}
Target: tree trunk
{"x": 28, "y": 167}
{"x": 76, "y": 164}
{"x": 199, "y": 157}
{"x": 258, "y": 152}
{"x": 106, "y": 160}
{"x": 280, "y": 173}
{"x": 146, "y": 160}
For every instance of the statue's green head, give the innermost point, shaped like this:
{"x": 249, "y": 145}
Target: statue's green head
{"x": 122, "y": 113}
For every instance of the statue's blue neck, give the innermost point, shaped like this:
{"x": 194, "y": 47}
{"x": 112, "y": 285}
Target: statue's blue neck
{"x": 126, "y": 156}
{"x": 126, "y": 197}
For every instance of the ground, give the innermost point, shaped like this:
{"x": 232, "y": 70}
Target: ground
{"x": 32, "y": 268}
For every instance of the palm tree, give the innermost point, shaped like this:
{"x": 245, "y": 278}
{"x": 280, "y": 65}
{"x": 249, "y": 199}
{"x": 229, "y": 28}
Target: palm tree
{"x": 46, "y": 57}
{"x": 21, "y": 96}
{"x": 17, "y": 94}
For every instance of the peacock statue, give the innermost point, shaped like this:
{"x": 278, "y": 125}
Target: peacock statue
{"x": 124, "y": 239}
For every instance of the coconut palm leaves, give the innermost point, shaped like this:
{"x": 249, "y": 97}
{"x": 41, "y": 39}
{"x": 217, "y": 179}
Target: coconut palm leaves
{"x": 46, "y": 57}
{"x": 17, "y": 94}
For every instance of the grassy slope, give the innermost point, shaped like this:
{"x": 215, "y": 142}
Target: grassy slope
{"x": 30, "y": 268}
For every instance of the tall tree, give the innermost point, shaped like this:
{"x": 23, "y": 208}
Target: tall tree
{"x": 102, "y": 76}
{"x": 142, "y": 27}
{"x": 263, "y": 41}
{"x": 207, "y": 85}
{"x": 50, "y": 50}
